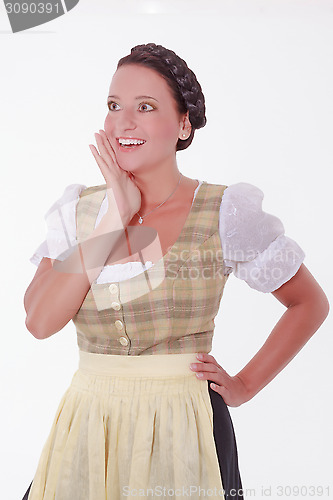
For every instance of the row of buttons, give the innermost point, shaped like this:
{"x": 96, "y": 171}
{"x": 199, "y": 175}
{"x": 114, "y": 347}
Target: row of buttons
{"x": 116, "y": 306}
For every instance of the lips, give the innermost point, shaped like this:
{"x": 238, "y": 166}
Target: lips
{"x": 134, "y": 139}
{"x": 129, "y": 146}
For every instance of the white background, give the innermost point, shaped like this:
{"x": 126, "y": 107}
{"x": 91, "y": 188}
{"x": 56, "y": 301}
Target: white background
{"x": 266, "y": 71}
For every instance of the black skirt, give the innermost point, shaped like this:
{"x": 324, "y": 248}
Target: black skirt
{"x": 226, "y": 447}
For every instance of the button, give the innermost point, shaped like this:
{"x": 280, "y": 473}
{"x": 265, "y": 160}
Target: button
{"x": 113, "y": 288}
{"x": 116, "y": 306}
{"x": 119, "y": 324}
{"x": 123, "y": 340}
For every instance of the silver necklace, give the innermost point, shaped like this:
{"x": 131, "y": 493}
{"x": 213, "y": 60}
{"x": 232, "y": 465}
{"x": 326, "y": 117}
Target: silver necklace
{"x": 143, "y": 216}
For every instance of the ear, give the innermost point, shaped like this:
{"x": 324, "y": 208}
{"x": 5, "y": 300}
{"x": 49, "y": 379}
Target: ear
{"x": 185, "y": 127}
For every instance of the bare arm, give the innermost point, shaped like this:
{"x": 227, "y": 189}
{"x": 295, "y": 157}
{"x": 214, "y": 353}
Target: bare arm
{"x": 59, "y": 287}
{"x": 307, "y": 308}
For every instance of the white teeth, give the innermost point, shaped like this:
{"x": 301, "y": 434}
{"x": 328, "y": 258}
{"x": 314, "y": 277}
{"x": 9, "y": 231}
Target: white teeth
{"x": 130, "y": 141}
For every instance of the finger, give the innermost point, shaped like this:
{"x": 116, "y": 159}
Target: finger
{"x": 212, "y": 373}
{"x": 213, "y": 376}
{"x": 103, "y": 151}
{"x": 210, "y": 359}
{"x": 108, "y": 145}
{"x": 112, "y": 166}
{"x": 220, "y": 389}
{"x": 213, "y": 360}
{"x": 100, "y": 162}
{"x": 204, "y": 367}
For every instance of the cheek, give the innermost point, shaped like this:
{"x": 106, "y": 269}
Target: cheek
{"x": 166, "y": 130}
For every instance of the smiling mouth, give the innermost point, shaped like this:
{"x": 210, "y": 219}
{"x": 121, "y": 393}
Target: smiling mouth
{"x": 126, "y": 145}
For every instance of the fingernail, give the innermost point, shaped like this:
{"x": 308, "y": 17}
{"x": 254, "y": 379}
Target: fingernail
{"x": 199, "y": 356}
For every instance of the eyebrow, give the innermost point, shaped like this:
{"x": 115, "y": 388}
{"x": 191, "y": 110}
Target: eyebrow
{"x": 138, "y": 97}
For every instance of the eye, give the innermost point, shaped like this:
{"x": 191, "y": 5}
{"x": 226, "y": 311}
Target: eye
{"x": 110, "y": 105}
{"x": 146, "y": 104}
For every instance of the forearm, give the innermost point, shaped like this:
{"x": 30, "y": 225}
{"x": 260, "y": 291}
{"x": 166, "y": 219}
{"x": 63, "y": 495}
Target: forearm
{"x": 55, "y": 297}
{"x": 293, "y": 330}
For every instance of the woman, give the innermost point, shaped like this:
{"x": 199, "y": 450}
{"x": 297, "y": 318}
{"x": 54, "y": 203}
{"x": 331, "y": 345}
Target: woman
{"x": 144, "y": 410}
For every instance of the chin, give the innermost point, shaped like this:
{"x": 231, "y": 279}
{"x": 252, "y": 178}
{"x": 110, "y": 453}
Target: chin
{"x": 129, "y": 166}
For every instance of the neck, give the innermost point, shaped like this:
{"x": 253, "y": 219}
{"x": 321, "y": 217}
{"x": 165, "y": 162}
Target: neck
{"x": 155, "y": 189}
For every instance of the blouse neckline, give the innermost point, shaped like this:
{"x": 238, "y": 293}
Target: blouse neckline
{"x": 164, "y": 257}
{"x": 182, "y": 229}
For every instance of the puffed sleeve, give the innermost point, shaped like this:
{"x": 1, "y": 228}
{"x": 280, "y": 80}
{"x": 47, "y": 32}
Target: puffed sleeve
{"x": 254, "y": 245}
{"x": 61, "y": 226}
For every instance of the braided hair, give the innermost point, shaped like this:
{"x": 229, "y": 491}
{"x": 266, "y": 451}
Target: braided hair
{"x": 182, "y": 82}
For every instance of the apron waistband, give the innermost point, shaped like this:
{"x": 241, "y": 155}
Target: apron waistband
{"x": 145, "y": 365}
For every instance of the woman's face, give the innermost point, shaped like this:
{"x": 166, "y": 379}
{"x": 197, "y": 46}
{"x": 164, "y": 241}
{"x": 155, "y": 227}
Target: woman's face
{"x": 141, "y": 106}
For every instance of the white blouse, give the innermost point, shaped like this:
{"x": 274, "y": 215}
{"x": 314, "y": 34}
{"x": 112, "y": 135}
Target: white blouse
{"x": 253, "y": 242}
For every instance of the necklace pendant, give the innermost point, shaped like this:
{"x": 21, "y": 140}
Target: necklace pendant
{"x": 140, "y": 220}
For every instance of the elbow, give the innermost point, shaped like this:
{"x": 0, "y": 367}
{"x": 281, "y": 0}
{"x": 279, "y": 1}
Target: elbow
{"x": 38, "y": 331}
{"x": 324, "y": 306}
{"x": 39, "y": 322}
{"x": 35, "y": 332}
{"x": 319, "y": 308}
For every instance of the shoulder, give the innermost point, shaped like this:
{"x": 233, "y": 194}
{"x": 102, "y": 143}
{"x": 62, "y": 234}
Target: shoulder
{"x": 212, "y": 192}
{"x": 70, "y": 193}
{"x": 243, "y": 193}
{"x": 254, "y": 245}
{"x": 243, "y": 221}
{"x": 60, "y": 222}
{"x": 240, "y": 194}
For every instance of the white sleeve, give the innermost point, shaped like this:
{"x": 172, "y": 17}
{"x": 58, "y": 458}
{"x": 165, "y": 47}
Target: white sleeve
{"x": 254, "y": 245}
{"x": 61, "y": 226}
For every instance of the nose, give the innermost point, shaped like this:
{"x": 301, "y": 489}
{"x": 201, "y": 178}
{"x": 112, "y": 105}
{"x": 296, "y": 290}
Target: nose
{"x": 126, "y": 120}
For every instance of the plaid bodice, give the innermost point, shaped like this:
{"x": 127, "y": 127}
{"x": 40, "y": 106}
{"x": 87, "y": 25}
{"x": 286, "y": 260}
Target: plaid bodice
{"x": 170, "y": 307}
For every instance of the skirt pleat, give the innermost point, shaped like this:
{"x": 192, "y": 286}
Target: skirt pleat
{"x": 124, "y": 428}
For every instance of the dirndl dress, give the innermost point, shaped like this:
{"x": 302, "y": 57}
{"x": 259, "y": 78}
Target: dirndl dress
{"x": 136, "y": 420}
{"x": 138, "y": 426}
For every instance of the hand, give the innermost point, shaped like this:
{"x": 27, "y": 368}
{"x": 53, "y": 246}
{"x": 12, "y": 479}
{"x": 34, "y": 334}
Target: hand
{"x": 232, "y": 389}
{"x": 122, "y": 192}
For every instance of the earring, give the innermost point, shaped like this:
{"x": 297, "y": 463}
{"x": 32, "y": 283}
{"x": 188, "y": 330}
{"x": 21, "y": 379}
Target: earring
{"x": 184, "y": 135}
